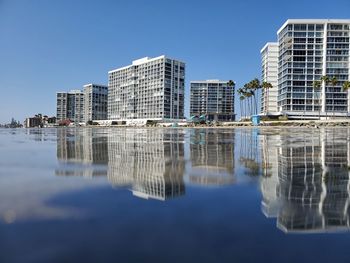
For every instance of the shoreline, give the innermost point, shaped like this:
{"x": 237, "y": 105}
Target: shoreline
{"x": 263, "y": 124}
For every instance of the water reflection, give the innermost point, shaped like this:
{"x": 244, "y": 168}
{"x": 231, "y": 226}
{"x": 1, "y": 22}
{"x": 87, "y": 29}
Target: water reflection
{"x": 149, "y": 162}
{"x": 303, "y": 174}
{"x": 212, "y": 157}
{"x": 305, "y": 182}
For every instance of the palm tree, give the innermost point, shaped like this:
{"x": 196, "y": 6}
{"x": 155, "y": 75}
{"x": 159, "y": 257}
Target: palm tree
{"x": 346, "y": 85}
{"x": 253, "y": 86}
{"x": 334, "y": 82}
{"x": 325, "y": 79}
{"x": 241, "y": 99}
{"x": 317, "y": 86}
{"x": 266, "y": 86}
{"x": 324, "y": 82}
{"x": 248, "y": 95}
{"x": 231, "y": 84}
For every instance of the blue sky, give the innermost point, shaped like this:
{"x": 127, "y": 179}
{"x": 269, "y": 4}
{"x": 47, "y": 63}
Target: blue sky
{"x": 48, "y": 46}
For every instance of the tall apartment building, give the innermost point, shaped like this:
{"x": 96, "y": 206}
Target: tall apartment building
{"x": 70, "y": 105}
{"x": 309, "y": 49}
{"x": 269, "y": 73}
{"x": 95, "y": 102}
{"x": 214, "y": 98}
{"x": 149, "y": 88}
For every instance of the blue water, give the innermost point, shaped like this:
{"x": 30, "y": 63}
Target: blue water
{"x": 174, "y": 195}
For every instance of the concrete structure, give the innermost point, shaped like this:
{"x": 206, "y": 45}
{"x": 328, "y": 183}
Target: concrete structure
{"x": 309, "y": 49}
{"x": 33, "y": 122}
{"x": 150, "y": 88}
{"x": 269, "y": 73}
{"x": 213, "y": 98}
{"x": 39, "y": 121}
{"x": 95, "y": 102}
{"x": 70, "y": 106}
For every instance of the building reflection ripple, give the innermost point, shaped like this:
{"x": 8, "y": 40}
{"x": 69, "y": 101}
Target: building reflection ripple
{"x": 212, "y": 157}
{"x": 303, "y": 173}
{"x": 305, "y": 181}
{"x": 147, "y": 161}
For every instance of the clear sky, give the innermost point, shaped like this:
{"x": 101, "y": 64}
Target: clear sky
{"x": 48, "y": 46}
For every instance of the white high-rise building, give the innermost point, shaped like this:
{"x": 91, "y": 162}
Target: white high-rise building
{"x": 150, "y": 88}
{"x": 70, "y": 106}
{"x": 308, "y": 50}
{"x": 95, "y": 102}
{"x": 269, "y": 56}
{"x": 213, "y": 98}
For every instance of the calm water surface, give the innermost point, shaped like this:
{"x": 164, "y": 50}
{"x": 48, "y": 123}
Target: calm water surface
{"x": 174, "y": 195}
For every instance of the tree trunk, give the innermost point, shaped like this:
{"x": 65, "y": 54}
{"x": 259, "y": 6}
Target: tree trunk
{"x": 256, "y": 105}
{"x": 240, "y": 107}
{"x": 319, "y": 108}
{"x": 248, "y": 106}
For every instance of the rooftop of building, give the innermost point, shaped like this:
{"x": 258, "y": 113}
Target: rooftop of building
{"x": 73, "y": 91}
{"x": 142, "y": 61}
{"x": 94, "y": 84}
{"x": 314, "y": 21}
{"x": 268, "y": 44}
{"x": 209, "y": 81}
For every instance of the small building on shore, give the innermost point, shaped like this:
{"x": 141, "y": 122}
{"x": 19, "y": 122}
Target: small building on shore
{"x": 39, "y": 120}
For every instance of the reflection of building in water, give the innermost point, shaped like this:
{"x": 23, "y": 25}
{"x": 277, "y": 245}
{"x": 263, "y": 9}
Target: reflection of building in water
{"x": 311, "y": 190}
{"x": 212, "y": 157}
{"x": 269, "y": 163}
{"x": 249, "y": 157}
{"x": 150, "y": 162}
{"x": 82, "y": 171}
{"x": 82, "y": 146}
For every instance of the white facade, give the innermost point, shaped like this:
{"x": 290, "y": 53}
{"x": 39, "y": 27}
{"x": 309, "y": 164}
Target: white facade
{"x": 308, "y": 50}
{"x": 213, "y": 98}
{"x": 150, "y": 88}
{"x": 269, "y": 73}
{"x": 70, "y": 106}
{"x": 95, "y": 102}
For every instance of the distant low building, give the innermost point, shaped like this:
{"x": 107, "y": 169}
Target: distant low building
{"x": 32, "y": 122}
{"x": 39, "y": 121}
{"x": 12, "y": 124}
